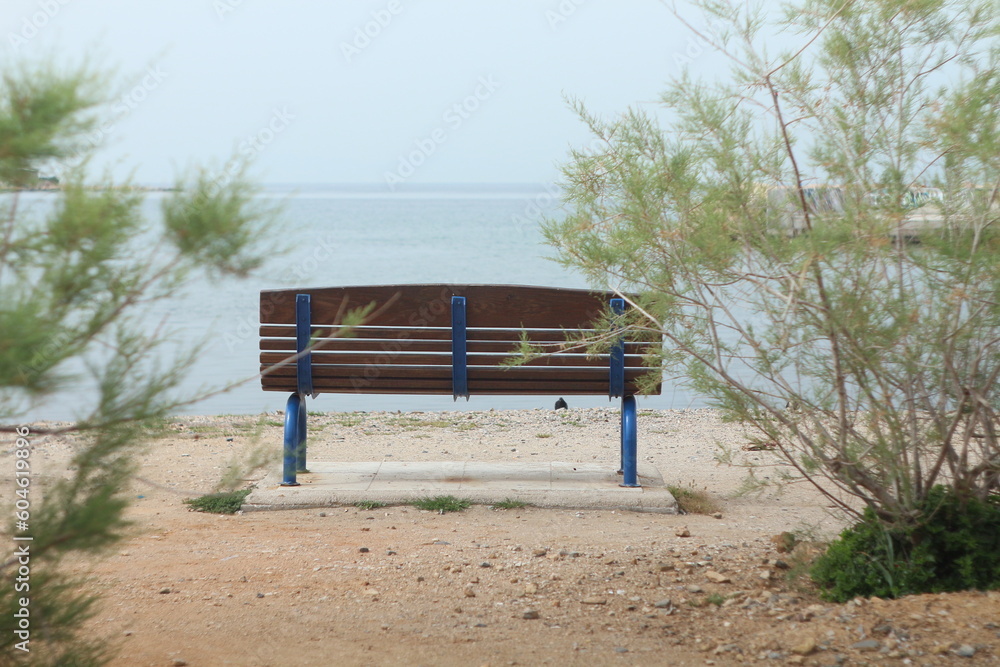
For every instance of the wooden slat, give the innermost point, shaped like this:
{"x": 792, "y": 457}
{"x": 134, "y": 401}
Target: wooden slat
{"x": 431, "y": 359}
{"x": 425, "y": 333}
{"x": 444, "y": 372}
{"x": 430, "y": 305}
{"x": 366, "y": 345}
{"x": 476, "y": 387}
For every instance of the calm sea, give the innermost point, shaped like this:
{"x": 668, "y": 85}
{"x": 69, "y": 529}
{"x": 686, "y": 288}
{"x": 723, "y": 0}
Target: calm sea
{"x": 351, "y": 235}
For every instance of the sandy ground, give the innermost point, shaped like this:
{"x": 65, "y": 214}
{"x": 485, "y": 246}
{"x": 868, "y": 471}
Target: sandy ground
{"x": 524, "y": 586}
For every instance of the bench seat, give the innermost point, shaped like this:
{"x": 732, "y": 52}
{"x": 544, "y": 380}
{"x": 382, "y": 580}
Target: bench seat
{"x": 444, "y": 339}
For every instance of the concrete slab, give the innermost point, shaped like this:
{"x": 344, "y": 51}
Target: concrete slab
{"x": 557, "y": 485}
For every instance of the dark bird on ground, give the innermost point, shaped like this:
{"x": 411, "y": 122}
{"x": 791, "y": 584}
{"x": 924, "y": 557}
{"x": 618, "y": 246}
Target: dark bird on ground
{"x": 561, "y": 405}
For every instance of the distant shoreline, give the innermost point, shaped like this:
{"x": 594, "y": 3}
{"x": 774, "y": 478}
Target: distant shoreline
{"x": 59, "y": 188}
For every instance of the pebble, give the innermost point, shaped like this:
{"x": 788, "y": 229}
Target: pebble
{"x": 805, "y": 646}
{"x": 867, "y": 645}
{"x": 663, "y": 604}
{"x": 965, "y": 651}
{"x": 363, "y": 550}
{"x": 164, "y": 591}
{"x": 717, "y": 577}
{"x": 530, "y": 614}
{"x": 693, "y": 588}
{"x": 594, "y": 599}
{"x": 682, "y": 532}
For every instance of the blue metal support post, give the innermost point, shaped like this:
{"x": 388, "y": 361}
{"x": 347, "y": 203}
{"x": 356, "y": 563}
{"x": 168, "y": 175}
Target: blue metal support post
{"x": 629, "y": 442}
{"x": 459, "y": 357}
{"x": 293, "y": 424}
{"x": 616, "y": 387}
{"x": 295, "y": 410}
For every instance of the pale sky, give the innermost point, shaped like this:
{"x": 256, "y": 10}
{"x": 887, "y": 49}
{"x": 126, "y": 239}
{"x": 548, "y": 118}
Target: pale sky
{"x": 422, "y": 91}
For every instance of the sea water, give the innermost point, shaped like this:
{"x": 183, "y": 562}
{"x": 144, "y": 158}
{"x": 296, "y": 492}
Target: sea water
{"x": 356, "y": 235}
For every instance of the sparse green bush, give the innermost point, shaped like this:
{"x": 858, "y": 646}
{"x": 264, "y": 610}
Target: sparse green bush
{"x": 510, "y": 504}
{"x": 369, "y": 504}
{"x": 956, "y": 547}
{"x": 225, "y": 502}
{"x": 442, "y": 504}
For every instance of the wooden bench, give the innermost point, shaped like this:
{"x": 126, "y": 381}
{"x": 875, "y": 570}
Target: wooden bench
{"x": 442, "y": 339}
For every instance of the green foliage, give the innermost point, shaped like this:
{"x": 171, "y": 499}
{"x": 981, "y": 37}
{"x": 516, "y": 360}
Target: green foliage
{"x": 75, "y": 280}
{"x": 766, "y": 219}
{"x": 442, "y": 504}
{"x": 955, "y": 547}
{"x": 693, "y": 501}
{"x": 369, "y": 504}
{"x": 510, "y": 504}
{"x": 224, "y": 502}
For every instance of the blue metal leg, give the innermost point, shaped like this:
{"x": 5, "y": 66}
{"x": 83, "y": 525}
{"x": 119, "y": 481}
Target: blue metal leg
{"x": 293, "y": 423}
{"x": 629, "y": 443}
{"x": 300, "y": 445}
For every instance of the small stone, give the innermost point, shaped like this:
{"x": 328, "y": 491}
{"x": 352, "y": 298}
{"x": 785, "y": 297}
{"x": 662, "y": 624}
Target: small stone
{"x": 867, "y": 645}
{"x": 419, "y": 579}
{"x": 693, "y": 588}
{"x": 539, "y": 552}
{"x": 322, "y": 513}
{"x": 363, "y": 550}
{"x": 717, "y": 577}
{"x": 664, "y": 567}
{"x": 882, "y": 630}
{"x": 486, "y": 564}
{"x": 164, "y": 591}
{"x": 530, "y": 614}
{"x": 965, "y": 651}
{"x": 470, "y": 593}
{"x": 806, "y": 646}
{"x": 127, "y": 633}
{"x": 260, "y": 595}
{"x": 682, "y": 531}
{"x": 531, "y": 589}
{"x": 717, "y": 515}
{"x": 621, "y": 649}
{"x": 594, "y": 599}
{"x": 663, "y": 604}
{"x": 178, "y": 662}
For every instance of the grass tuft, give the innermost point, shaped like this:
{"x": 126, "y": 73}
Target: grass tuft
{"x": 510, "y": 504}
{"x": 226, "y": 502}
{"x": 694, "y": 501}
{"x": 369, "y": 504}
{"x": 442, "y": 504}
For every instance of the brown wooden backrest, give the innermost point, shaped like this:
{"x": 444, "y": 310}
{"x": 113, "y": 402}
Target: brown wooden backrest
{"x": 405, "y": 345}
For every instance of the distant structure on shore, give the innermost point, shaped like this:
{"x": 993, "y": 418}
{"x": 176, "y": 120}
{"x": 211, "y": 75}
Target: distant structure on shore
{"x": 32, "y": 181}
{"x": 922, "y": 206}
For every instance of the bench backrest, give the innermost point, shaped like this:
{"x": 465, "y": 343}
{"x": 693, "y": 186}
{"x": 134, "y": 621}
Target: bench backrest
{"x": 438, "y": 339}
